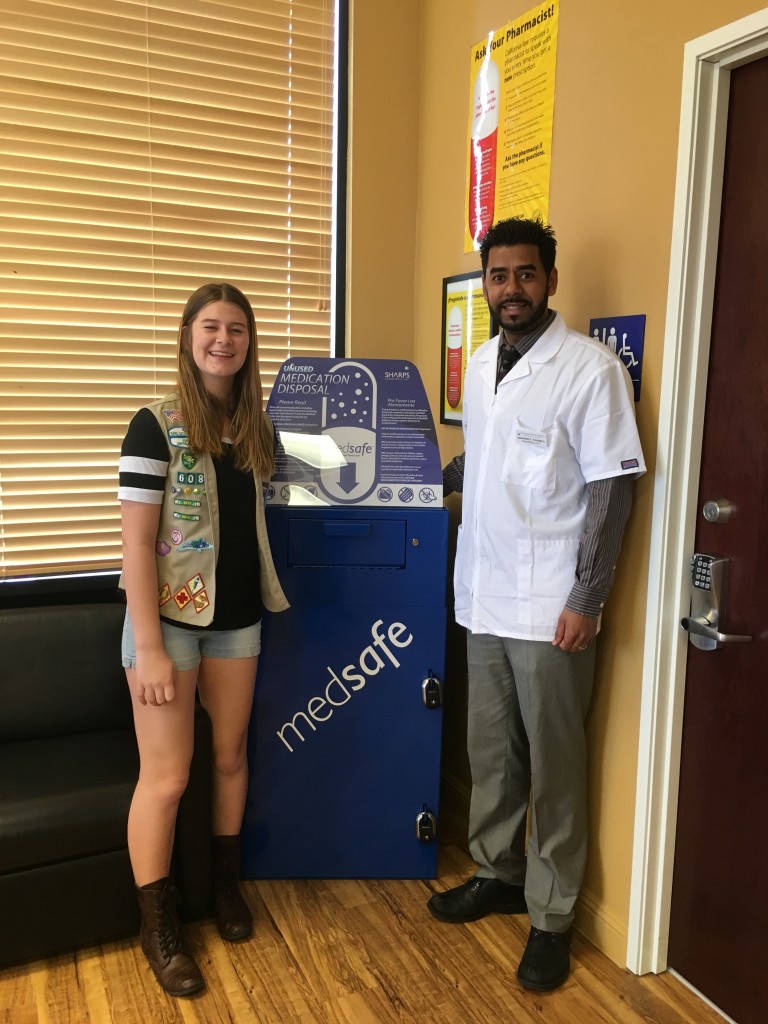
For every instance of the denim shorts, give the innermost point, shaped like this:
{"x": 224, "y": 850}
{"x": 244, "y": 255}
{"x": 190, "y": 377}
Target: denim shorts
{"x": 186, "y": 647}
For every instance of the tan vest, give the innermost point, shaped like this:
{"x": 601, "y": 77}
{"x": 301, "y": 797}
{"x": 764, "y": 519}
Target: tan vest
{"x": 188, "y": 534}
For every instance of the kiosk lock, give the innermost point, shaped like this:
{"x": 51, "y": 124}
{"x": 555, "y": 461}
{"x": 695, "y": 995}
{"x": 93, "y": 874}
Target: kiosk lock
{"x": 432, "y": 691}
{"x": 426, "y": 825}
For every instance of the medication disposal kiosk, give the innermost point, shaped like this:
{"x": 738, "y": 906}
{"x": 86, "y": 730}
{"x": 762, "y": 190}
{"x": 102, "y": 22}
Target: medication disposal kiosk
{"x": 344, "y": 744}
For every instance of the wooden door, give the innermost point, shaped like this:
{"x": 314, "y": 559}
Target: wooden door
{"x": 719, "y": 921}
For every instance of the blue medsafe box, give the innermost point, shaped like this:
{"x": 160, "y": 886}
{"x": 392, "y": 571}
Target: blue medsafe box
{"x": 344, "y": 744}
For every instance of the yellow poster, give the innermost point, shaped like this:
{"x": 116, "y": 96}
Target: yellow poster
{"x": 466, "y": 325}
{"x": 509, "y": 135}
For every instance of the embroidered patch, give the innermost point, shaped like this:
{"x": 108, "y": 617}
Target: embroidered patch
{"x": 184, "y": 515}
{"x": 164, "y": 596}
{"x": 187, "y": 501}
{"x": 201, "y": 601}
{"x": 198, "y": 544}
{"x": 177, "y": 536}
{"x": 190, "y": 478}
{"x": 188, "y": 459}
{"x": 196, "y": 584}
{"x": 182, "y": 598}
{"x": 629, "y": 464}
{"x": 162, "y": 548}
{"x": 178, "y": 437}
{"x": 174, "y": 415}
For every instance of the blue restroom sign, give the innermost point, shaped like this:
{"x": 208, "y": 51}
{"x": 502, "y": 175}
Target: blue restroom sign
{"x": 624, "y": 335}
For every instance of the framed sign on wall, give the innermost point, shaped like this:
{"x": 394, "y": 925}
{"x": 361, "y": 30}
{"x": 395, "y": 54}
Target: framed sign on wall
{"x": 467, "y": 323}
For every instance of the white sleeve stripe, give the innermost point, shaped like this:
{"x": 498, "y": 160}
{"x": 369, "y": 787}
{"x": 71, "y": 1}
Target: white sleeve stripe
{"x": 140, "y": 494}
{"x": 137, "y": 464}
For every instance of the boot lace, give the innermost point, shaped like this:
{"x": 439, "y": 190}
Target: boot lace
{"x": 168, "y": 937}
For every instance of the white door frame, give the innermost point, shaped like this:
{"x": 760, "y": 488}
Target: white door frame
{"x": 703, "y": 121}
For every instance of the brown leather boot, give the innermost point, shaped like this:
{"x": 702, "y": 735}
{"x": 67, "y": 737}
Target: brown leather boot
{"x": 174, "y": 968}
{"x": 233, "y": 918}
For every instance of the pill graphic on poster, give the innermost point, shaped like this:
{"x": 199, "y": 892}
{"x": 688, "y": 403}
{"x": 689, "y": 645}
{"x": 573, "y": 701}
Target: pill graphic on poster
{"x": 482, "y": 150}
{"x": 455, "y": 356}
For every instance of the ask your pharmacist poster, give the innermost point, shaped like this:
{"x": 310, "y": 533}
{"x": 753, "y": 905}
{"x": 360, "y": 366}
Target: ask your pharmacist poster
{"x": 509, "y": 134}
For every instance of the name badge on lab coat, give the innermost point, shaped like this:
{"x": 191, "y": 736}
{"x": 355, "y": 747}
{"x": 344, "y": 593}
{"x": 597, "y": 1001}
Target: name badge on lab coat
{"x": 532, "y": 438}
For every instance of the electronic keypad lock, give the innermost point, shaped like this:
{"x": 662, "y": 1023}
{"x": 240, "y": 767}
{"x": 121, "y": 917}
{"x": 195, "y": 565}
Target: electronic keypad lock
{"x": 709, "y": 592}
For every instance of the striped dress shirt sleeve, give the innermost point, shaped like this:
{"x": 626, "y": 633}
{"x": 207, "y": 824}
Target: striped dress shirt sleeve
{"x": 608, "y": 506}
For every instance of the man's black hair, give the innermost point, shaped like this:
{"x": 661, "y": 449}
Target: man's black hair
{"x": 520, "y": 231}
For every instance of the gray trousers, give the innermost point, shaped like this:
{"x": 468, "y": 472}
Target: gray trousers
{"x": 526, "y": 744}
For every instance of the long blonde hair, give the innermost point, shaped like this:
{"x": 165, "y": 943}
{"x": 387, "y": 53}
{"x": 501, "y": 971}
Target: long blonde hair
{"x": 250, "y": 427}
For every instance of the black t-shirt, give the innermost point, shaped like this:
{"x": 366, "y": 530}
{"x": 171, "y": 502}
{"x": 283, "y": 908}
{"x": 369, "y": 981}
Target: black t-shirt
{"x": 238, "y": 594}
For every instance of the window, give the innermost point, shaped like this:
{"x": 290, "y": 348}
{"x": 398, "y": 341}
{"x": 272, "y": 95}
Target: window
{"x": 146, "y": 146}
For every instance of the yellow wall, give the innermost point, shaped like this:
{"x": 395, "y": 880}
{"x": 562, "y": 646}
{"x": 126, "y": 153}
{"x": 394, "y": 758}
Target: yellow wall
{"x": 614, "y": 153}
{"x": 382, "y": 173}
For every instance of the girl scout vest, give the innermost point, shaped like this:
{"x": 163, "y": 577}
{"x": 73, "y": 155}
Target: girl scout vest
{"x": 188, "y": 534}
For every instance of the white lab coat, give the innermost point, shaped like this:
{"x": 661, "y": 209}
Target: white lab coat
{"x": 563, "y": 416}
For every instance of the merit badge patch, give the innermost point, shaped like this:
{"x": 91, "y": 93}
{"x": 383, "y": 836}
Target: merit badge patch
{"x": 178, "y": 437}
{"x": 164, "y": 595}
{"x": 182, "y": 598}
{"x": 188, "y": 459}
{"x": 198, "y": 544}
{"x": 162, "y": 548}
{"x": 196, "y": 584}
{"x": 201, "y": 601}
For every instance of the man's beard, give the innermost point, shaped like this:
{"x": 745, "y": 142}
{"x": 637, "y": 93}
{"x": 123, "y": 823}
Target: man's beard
{"x": 523, "y": 322}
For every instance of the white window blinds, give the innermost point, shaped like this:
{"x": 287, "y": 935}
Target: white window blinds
{"x": 146, "y": 147}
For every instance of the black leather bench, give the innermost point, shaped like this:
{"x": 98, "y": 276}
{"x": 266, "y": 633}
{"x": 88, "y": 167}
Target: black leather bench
{"x": 68, "y": 767}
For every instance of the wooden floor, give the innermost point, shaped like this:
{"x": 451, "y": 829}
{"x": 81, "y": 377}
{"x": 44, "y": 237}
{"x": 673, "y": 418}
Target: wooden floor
{"x": 347, "y": 952}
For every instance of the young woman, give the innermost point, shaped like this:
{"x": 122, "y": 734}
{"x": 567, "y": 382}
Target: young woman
{"x": 197, "y": 572}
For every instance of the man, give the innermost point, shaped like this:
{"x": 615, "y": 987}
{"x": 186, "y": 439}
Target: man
{"x": 551, "y": 450}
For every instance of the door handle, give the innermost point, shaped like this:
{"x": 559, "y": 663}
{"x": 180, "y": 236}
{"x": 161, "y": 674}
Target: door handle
{"x": 709, "y": 596}
{"x": 703, "y": 627}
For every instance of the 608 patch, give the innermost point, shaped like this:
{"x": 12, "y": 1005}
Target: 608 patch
{"x": 196, "y": 479}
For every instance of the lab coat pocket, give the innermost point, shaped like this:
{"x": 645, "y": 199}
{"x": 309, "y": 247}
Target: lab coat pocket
{"x": 530, "y": 459}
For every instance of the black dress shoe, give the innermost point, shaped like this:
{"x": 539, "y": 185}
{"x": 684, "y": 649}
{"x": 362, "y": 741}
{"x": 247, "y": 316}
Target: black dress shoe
{"x": 546, "y": 962}
{"x": 476, "y": 898}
